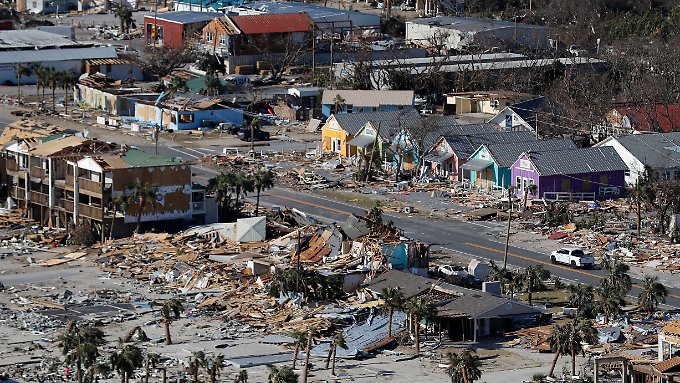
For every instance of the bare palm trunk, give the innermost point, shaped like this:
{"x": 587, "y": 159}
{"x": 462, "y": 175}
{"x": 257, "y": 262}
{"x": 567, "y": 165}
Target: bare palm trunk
{"x": 416, "y": 330}
{"x": 330, "y": 354}
{"x": 79, "y": 370}
{"x": 554, "y": 362}
{"x": 165, "y": 376}
{"x": 573, "y": 360}
{"x": 19, "y": 89}
{"x": 638, "y": 214}
{"x": 464, "y": 373}
{"x": 42, "y": 100}
{"x": 335, "y": 350}
{"x": 54, "y": 100}
{"x": 166, "y": 325}
{"x": 139, "y": 216}
{"x": 66, "y": 100}
{"x": 307, "y": 348}
{"x": 257, "y": 204}
{"x": 295, "y": 354}
{"x": 389, "y": 322}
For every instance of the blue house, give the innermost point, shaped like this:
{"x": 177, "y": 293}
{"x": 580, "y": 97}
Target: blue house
{"x": 187, "y": 114}
{"x": 357, "y": 101}
{"x": 490, "y": 164}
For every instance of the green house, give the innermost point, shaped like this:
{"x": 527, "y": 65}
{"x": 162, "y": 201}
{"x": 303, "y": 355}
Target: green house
{"x": 489, "y": 166}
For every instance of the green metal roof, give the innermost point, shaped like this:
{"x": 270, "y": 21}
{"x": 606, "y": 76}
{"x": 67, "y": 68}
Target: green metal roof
{"x": 54, "y": 136}
{"x": 137, "y": 159}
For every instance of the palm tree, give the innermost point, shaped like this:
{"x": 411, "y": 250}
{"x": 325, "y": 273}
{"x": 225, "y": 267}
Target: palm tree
{"x": 198, "y": 361}
{"x": 393, "y": 299}
{"x": 41, "y": 74}
{"x": 300, "y": 340}
{"x": 559, "y": 343}
{"x": 312, "y": 333}
{"x": 177, "y": 84}
{"x": 608, "y": 301}
{"x": 126, "y": 360}
{"x": 121, "y": 204}
{"x": 338, "y": 104}
{"x": 96, "y": 369}
{"x": 67, "y": 79}
{"x": 213, "y": 85}
{"x": 506, "y": 277}
{"x": 580, "y": 331}
{"x": 338, "y": 341}
{"x": 81, "y": 346}
{"x": 170, "y": 310}
{"x": 53, "y": 79}
{"x": 618, "y": 275}
{"x": 463, "y": 367}
{"x": 530, "y": 189}
{"x": 242, "y": 377}
{"x": 151, "y": 360}
{"x": 227, "y": 189}
{"x": 125, "y": 15}
{"x": 420, "y": 308}
{"x": 263, "y": 179}
{"x": 581, "y": 297}
{"x": 213, "y": 366}
{"x": 533, "y": 280}
{"x": 21, "y": 70}
{"x": 653, "y": 292}
{"x": 144, "y": 195}
{"x": 281, "y": 375}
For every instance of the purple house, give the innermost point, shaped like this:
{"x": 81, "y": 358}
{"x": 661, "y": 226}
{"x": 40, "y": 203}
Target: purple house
{"x": 583, "y": 174}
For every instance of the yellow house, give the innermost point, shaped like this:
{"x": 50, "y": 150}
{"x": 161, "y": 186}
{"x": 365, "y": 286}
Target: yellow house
{"x": 334, "y": 137}
{"x": 339, "y": 129}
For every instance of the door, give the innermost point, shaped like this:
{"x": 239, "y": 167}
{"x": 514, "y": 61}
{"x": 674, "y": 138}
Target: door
{"x": 566, "y": 185}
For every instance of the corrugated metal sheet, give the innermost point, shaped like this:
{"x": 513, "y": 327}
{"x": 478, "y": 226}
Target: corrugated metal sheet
{"x": 273, "y": 23}
{"x": 578, "y": 161}
{"x": 369, "y": 98}
{"x": 183, "y": 17}
{"x": 52, "y": 55}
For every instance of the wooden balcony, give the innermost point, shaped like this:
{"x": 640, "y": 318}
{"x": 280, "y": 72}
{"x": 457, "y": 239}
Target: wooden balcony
{"x": 94, "y": 212}
{"x": 38, "y": 172}
{"x": 39, "y": 198}
{"x": 89, "y": 185}
{"x": 12, "y": 166}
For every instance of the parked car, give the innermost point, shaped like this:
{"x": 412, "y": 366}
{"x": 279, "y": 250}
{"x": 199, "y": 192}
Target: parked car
{"x": 573, "y": 256}
{"x": 259, "y": 135}
{"x": 453, "y": 270}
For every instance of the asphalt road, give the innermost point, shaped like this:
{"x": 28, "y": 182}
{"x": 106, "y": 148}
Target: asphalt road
{"x": 465, "y": 238}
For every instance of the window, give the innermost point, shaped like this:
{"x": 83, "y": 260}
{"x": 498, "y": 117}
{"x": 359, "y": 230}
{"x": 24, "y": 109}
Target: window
{"x": 627, "y": 173}
{"x": 210, "y": 36}
{"x": 494, "y": 104}
{"x": 350, "y": 108}
{"x": 518, "y": 181}
{"x": 186, "y": 118}
{"x": 223, "y": 39}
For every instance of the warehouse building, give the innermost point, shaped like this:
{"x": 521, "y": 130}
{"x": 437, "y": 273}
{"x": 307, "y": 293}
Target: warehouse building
{"x": 47, "y": 49}
{"x": 466, "y": 32}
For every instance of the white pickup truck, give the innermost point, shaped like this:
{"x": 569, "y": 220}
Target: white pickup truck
{"x": 573, "y": 256}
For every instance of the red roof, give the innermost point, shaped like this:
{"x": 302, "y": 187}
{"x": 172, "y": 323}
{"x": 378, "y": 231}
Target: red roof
{"x": 273, "y": 23}
{"x": 662, "y": 117}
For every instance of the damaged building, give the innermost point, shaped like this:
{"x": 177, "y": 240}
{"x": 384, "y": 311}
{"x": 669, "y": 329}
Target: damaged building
{"x": 65, "y": 178}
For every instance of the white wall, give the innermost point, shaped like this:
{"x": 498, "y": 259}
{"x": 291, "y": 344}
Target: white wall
{"x": 635, "y": 167}
{"x": 8, "y": 72}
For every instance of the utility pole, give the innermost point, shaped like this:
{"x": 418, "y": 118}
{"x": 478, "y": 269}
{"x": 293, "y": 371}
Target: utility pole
{"x": 330, "y": 70}
{"x": 507, "y": 235}
{"x": 297, "y": 253}
{"x": 313, "y": 55}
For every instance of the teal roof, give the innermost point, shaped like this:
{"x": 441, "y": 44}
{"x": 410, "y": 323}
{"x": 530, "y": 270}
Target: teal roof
{"x": 54, "y": 136}
{"x": 138, "y": 159}
{"x": 197, "y": 85}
